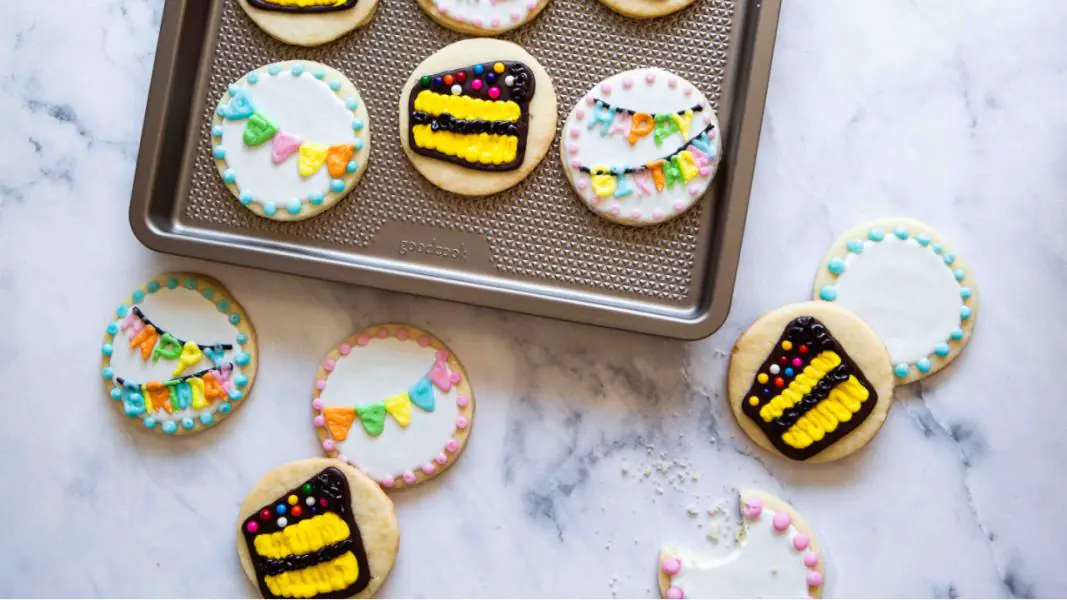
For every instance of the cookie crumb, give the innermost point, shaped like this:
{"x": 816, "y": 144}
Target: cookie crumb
{"x": 625, "y": 467}
{"x": 693, "y": 510}
{"x": 714, "y": 532}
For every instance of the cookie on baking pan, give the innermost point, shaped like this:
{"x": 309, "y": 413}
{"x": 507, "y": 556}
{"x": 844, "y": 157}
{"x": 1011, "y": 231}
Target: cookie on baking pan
{"x": 641, "y": 147}
{"x": 291, "y": 139}
{"x": 179, "y": 354}
{"x": 478, "y": 17}
{"x": 776, "y": 556}
{"x": 477, "y": 116}
{"x": 810, "y": 381}
{"x": 910, "y": 285}
{"x": 646, "y": 9}
{"x": 317, "y": 528}
{"x": 309, "y": 22}
{"x": 395, "y": 402}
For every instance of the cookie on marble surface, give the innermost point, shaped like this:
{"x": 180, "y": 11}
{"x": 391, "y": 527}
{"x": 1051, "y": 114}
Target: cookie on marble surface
{"x": 395, "y": 402}
{"x": 179, "y": 354}
{"x": 776, "y": 556}
{"x": 646, "y": 9}
{"x": 291, "y": 139}
{"x": 317, "y": 528}
{"x": 810, "y": 382}
{"x": 910, "y": 285}
{"x": 477, "y": 116}
{"x": 483, "y": 17}
{"x": 309, "y": 22}
{"x": 641, "y": 147}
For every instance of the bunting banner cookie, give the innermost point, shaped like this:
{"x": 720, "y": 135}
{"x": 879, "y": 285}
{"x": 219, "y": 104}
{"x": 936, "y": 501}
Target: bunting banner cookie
{"x": 478, "y": 116}
{"x": 810, "y": 382}
{"x": 641, "y": 147}
{"x": 179, "y": 354}
{"x": 775, "y": 555}
{"x": 291, "y": 139}
{"x": 395, "y": 402}
{"x": 309, "y": 22}
{"x": 483, "y": 17}
{"x": 317, "y": 528}
{"x": 910, "y": 285}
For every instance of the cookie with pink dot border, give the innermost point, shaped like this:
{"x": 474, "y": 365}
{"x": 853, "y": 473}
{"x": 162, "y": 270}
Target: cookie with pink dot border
{"x": 775, "y": 555}
{"x": 641, "y": 147}
{"x": 483, "y": 17}
{"x": 395, "y": 402}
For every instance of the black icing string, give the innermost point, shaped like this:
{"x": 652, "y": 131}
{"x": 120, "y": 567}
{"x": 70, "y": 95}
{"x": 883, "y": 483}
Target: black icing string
{"x": 628, "y": 170}
{"x": 162, "y": 332}
{"x": 446, "y": 122}
{"x": 695, "y": 108}
{"x": 170, "y": 382}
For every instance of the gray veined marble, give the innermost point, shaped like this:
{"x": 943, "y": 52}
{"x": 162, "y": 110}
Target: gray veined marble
{"x": 952, "y": 112}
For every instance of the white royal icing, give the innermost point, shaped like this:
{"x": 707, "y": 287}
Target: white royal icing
{"x": 905, "y": 292}
{"x": 381, "y": 369}
{"x": 491, "y": 15}
{"x": 766, "y": 565}
{"x": 584, "y": 143}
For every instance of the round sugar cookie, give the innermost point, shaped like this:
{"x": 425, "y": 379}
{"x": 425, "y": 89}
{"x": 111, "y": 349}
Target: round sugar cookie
{"x": 910, "y": 285}
{"x": 775, "y": 556}
{"x": 641, "y": 147}
{"x": 810, "y": 382}
{"x": 646, "y": 9}
{"x": 179, "y": 354}
{"x": 291, "y": 139}
{"x": 317, "y": 528}
{"x": 395, "y": 402}
{"x": 477, "y": 116}
{"x": 483, "y": 17}
{"x": 309, "y": 22}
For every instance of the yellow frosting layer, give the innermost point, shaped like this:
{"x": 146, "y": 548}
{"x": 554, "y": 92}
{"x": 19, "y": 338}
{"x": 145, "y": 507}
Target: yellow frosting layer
{"x": 465, "y": 107}
{"x": 843, "y": 401}
{"x": 304, "y": 537}
{"x": 800, "y": 386}
{"x": 323, "y": 578}
{"x": 306, "y": 3}
{"x": 484, "y": 148}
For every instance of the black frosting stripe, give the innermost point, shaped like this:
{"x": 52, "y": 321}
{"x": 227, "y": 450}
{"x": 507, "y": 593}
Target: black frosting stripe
{"x": 295, "y": 562}
{"x": 791, "y": 415}
{"x": 447, "y": 122}
{"x": 268, "y": 5}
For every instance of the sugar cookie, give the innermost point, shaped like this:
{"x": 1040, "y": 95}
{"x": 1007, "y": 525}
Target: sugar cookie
{"x": 477, "y": 128}
{"x": 913, "y": 289}
{"x": 641, "y": 147}
{"x": 309, "y": 22}
{"x": 395, "y": 402}
{"x": 810, "y": 381}
{"x": 317, "y": 528}
{"x": 776, "y": 556}
{"x": 483, "y": 17}
{"x": 291, "y": 139}
{"x": 646, "y": 9}
{"x": 179, "y": 355}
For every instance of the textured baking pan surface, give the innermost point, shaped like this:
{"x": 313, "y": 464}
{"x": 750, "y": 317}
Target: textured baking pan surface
{"x": 534, "y": 248}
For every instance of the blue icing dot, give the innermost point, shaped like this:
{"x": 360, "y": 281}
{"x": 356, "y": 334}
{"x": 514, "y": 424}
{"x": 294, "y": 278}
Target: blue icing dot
{"x": 941, "y": 349}
{"x": 901, "y": 370}
{"x": 233, "y": 89}
{"x": 923, "y": 365}
{"x": 241, "y": 380}
{"x": 138, "y": 296}
{"x": 316, "y": 199}
{"x": 280, "y": 509}
{"x": 208, "y": 293}
{"x": 293, "y": 206}
{"x": 246, "y": 198}
{"x": 922, "y": 238}
{"x": 950, "y": 258}
{"x": 789, "y": 371}
{"x": 229, "y": 176}
{"x": 241, "y": 338}
{"x": 235, "y": 319}
{"x": 116, "y": 393}
{"x": 901, "y": 232}
{"x": 107, "y": 373}
{"x": 297, "y": 70}
{"x": 828, "y": 293}
{"x": 337, "y": 185}
{"x": 207, "y": 418}
{"x": 352, "y": 166}
{"x": 937, "y": 248}
{"x": 149, "y": 422}
{"x": 242, "y": 358}
{"x": 219, "y": 152}
{"x": 351, "y": 104}
{"x": 269, "y": 209}
{"x": 836, "y": 266}
{"x": 190, "y": 284}
{"x": 188, "y": 423}
{"x": 122, "y": 310}
{"x": 169, "y": 427}
{"x": 479, "y": 69}
{"x": 274, "y": 69}
{"x": 107, "y": 349}
{"x": 876, "y": 234}
{"x": 224, "y": 305}
{"x": 357, "y": 124}
{"x": 112, "y": 328}
{"x": 216, "y": 131}
{"x": 965, "y": 312}
{"x": 172, "y": 283}
{"x": 225, "y": 408}
{"x": 319, "y": 74}
{"x": 153, "y": 286}
{"x": 359, "y": 144}
{"x": 335, "y": 85}
{"x": 253, "y": 78}
{"x": 957, "y": 334}
{"x": 855, "y": 246}
{"x": 965, "y": 292}
{"x": 235, "y": 394}
{"x": 959, "y": 274}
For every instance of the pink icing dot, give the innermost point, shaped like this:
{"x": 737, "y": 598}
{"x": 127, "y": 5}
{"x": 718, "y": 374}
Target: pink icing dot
{"x": 582, "y": 183}
{"x": 442, "y": 355}
{"x": 316, "y": 404}
{"x": 344, "y": 349}
{"x": 429, "y": 468}
{"x": 252, "y": 527}
{"x": 575, "y": 132}
{"x": 688, "y": 91}
{"x": 329, "y": 364}
{"x": 671, "y": 566}
{"x": 409, "y": 477}
{"x": 451, "y": 445}
{"x": 363, "y": 339}
{"x": 800, "y": 541}
{"x": 320, "y": 384}
{"x": 423, "y": 341}
{"x": 675, "y": 593}
{"x": 810, "y": 559}
{"x": 531, "y": 4}
{"x": 455, "y": 377}
{"x": 515, "y": 15}
{"x": 319, "y": 420}
{"x": 814, "y": 578}
{"x": 328, "y": 445}
{"x": 495, "y": 22}
{"x": 462, "y": 401}
{"x": 461, "y": 422}
{"x": 590, "y": 100}
{"x": 579, "y": 113}
{"x": 672, "y": 82}
{"x": 382, "y": 333}
{"x": 650, "y": 77}
{"x": 657, "y": 215}
{"x": 616, "y": 210}
{"x": 478, "y": 21}
{"x": 752, "y": 508}
{"x": 627, "y": 83}
{"x": 694, "y": 190}
{"x": 440, "y": 459}
{"x": 576, "y": 164}
{"x": 635, "y": 214}
{"x": 679, "y": 206}
{"x": 605, "y": 88}
{"x": 403, "y": 334}
{"x": 781, "y": 522}
{"x": 572, "y": 148}
{"x": 387, "y": 482}
{"x": 476, "y": 84}
{"x": 442, "y": 9}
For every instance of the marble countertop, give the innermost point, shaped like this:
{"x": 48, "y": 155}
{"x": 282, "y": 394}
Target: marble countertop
{"x": 951, "y": 112}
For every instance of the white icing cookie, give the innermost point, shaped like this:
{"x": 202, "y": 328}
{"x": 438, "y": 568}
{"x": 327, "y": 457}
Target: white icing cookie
{"x": 483, "y": 17}
{"x": 179, "y": 354}
{"x": 395, "y": 402}
{"x": 810, "y": 382}
{"x": 309, "y": 22}
{"x": 317, "y": 528}
{"x": 291, "y": 139}
{"x": 641, "y": 147}
{"x": 901, "y": 277}
{"x": 776, "y": 556}
{"x": 477, "y": 116}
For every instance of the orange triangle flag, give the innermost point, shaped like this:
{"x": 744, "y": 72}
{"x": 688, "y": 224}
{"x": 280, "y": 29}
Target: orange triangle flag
{"x": 339, "y": 421}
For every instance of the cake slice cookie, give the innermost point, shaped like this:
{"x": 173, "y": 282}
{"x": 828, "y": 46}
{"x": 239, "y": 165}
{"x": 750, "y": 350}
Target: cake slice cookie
{"x": 309, "y": 22}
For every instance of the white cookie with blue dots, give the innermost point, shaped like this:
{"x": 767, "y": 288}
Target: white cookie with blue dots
{"x": 179, "y": 355}
{"x": 910, "y": 286}
{"x": 291, "y": 139}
